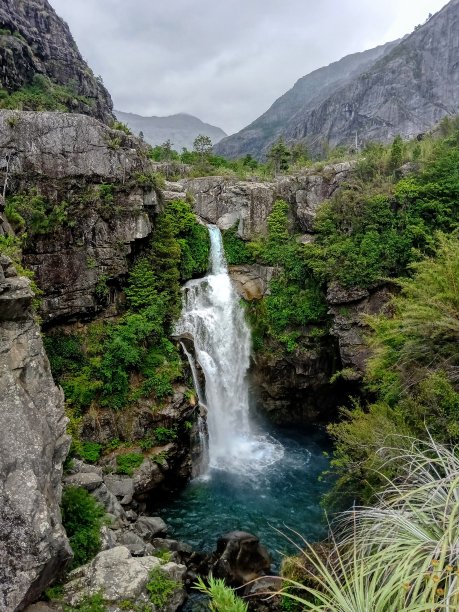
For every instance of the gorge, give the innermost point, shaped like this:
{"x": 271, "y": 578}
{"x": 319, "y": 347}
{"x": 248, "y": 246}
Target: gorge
{"x": 197, "y": 356}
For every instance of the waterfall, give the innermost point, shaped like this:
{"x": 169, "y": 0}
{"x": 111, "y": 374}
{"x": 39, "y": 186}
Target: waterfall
{"x": 213, "y": 318}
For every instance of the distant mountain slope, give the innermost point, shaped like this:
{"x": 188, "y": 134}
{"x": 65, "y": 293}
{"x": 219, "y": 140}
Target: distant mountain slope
{"x": 180, "y": 129}
{"x": 403, "y": 87}
{"x": 34, "y": 40}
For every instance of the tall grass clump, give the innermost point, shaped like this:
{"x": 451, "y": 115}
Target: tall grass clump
{"x": 222, "y": 597}
{"x": 402, "y": 553}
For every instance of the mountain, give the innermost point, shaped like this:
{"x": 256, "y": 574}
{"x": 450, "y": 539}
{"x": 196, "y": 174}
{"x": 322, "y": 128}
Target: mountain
{"x": 180, "y": 129}
{"x": 36, "y": 42}
{"x": 403, "y": 87}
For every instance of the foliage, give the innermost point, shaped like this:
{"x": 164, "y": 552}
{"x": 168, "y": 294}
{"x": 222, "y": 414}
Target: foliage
{"x": 32, "y": 212}
{"x": 370, "y": 230}
{"x": 90, "y": 603}
{"x": 116, "y": 362}
{"x": 82, "y": 519}
{"x": 127, "y": 463}
{"x": 202, "y": 145}
{"x": 413, "y": 374}
{"x": 400, "y": 554}
{"x": 164, "y": 435}
{"x": 296, "y": 299}
{"x": 160, "y": 587}
{"x": 279, "y": 156}
{"x": 11, "y": 246}
{"x": 236, "y": 250}
{"x": 222, "y": 597}
{"x": 43, "y": 95}
{"x": 119, "y": 125}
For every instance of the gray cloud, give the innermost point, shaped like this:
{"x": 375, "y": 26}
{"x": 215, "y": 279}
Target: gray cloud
{"x": 225, "y": 62}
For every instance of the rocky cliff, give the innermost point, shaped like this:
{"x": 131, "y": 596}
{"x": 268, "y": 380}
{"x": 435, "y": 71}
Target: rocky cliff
{"x": 401, "y": 88}
{"x": 226, "y": 202}
{"x": 33, "y": 446}
{"x": 97, "y": 173}
{"x": 35, "y": 41}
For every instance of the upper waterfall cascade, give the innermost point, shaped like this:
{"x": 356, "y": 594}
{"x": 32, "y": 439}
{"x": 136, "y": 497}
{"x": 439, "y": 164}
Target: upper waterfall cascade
{"x": 214, "y": 318}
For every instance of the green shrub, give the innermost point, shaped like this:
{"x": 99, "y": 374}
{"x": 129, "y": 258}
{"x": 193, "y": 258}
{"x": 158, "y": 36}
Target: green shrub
{"x": 236, "y": 250}
{"x": 160, "y": 588}
{"x": 90, "y": 603}
{"x": 164, "y": 434}
{"x": 82, "y": 519}
{"x": 43, "y": 95}
{"x": 32, "y": 212}
{"x": 89, "y": 451}
{"x": 126, "y": 464}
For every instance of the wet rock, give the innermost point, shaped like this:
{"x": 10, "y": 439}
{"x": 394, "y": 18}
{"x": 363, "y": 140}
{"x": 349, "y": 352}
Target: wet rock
{"x": 240, "y": 558}
{"x": 134, "y": 543}
{"x": 109, "y": 501}
{"x": 147, "y": 477}
{"x": 261, "y": 595}
{"x": 349, "y": 308}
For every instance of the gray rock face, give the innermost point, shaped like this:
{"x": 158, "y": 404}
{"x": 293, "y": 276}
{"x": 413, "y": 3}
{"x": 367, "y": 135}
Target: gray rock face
{"x": 295, "y": 387}
{"x": 120, "y": 577}
{"x": 33, "y": 446}
{"x": 39, "y": 42}
{"x": 403, "y": 88}
{"x": 227, "y": 202}
{"x": 64, "y": 145}
{"x": 349, "y": 307}
{"x": 251, "y": 281}
{"x": 67, "y": 157}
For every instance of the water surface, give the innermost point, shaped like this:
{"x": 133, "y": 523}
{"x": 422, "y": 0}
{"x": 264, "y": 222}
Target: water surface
{"x": 284, "y": 496}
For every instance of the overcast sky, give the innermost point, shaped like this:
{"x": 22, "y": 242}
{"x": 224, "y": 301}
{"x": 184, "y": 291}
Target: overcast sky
{"x": 225, "y": 61}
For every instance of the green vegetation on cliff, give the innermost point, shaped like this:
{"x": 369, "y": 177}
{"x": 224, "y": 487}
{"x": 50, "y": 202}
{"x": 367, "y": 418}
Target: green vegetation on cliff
{"x": 82, "y": 519}
{"x": 113, "y": 363}
{"x": 413, "y": 374}
{"x": 42, "y": 95}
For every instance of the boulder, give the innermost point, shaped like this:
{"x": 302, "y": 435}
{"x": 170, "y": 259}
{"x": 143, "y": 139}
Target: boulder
{"x": 240, "y": 558}
{"x": 119, "y": 577}
{"x": 150, "y": 527}
{"x": 86, "y": 480}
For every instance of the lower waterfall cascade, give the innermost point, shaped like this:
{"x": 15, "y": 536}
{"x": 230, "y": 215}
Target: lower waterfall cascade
{"x": 213, "y": 318}
{"x": 246, "y": 477}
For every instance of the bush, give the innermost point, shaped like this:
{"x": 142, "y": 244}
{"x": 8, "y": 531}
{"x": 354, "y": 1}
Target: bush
{"x": 126, "y": 464}
{"x": 160, "y": 588}
{"x": 236, "y": 250}
{"x": 43, "y": 95}
{"x": 82, "y": 519}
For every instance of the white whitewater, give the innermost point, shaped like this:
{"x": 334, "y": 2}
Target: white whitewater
{"x": 213, "y": 317}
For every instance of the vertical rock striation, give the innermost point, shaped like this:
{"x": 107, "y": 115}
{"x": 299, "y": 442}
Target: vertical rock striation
{"x": 33, "y": 446}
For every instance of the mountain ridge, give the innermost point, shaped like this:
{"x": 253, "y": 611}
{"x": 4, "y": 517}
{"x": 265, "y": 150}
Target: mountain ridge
{"x": 405, "y": 86}
{"x": 180, "y": 128}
